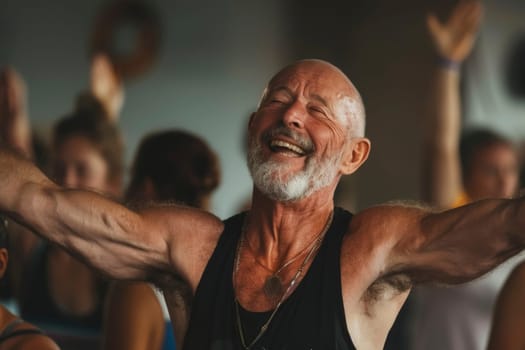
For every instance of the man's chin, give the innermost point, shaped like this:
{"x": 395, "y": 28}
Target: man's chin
{"x": 281, "y": 196}
{"x": 283, "y": 190}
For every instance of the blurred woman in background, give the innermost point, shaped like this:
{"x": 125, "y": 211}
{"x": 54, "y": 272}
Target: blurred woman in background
{"x": 58, "y": 292}
{"x": 170, "y": 166}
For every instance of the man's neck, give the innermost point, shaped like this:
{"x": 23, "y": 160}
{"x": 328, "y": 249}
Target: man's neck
{"x": 276, "y": 231}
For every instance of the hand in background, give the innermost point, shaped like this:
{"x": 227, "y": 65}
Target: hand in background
{"x": 15, "y": 130}
{"x": 454, "y": 38}
{"x": 106, "y": 85}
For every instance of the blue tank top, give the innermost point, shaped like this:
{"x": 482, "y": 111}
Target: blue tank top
{"x": 169, "y": 337}
{"x": 168, "y": 343}
{"x": 312, "y": 318}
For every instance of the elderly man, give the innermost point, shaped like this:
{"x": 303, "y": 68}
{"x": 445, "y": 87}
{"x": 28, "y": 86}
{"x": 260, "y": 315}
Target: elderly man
{"x": 293, "y": 272}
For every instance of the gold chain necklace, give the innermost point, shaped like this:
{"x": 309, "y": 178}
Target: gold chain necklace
{"x": 292, "y": 283}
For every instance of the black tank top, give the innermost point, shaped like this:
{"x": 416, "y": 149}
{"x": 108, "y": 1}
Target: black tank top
{"x": 312, "y": 318}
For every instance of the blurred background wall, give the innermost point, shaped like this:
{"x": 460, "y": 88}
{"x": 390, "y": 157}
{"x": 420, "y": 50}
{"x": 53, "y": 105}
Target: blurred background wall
{"x": 214, "y": 60}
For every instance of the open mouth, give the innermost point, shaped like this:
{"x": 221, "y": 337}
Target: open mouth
{"x": 286, "y": 147}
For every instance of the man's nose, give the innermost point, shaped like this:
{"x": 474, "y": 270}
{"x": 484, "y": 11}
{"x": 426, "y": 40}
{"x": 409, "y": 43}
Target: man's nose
{"x": 294, "y": 116}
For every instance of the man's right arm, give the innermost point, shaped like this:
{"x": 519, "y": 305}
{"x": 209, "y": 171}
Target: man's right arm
{"x": 121, "y": 243}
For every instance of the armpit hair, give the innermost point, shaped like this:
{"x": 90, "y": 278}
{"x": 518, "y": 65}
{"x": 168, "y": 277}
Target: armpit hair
{"x": 170, "y": 281}
{"x": 179, "y": 290}
{"x": 388, "y": 287}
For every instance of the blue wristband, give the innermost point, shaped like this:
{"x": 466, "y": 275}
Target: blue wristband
{"x": 448, "y": 63}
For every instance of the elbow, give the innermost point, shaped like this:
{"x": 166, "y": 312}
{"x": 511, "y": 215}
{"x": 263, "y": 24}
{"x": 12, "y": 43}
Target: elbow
{"x": 33, "y": 206}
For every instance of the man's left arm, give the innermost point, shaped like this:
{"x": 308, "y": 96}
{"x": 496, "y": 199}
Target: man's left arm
{"x": 452, "y": 246}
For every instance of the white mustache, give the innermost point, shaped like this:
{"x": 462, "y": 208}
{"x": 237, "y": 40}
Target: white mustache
{"x": 303, "y": 142}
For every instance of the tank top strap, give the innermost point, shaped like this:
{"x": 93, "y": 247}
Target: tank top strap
{"x": 11, "y": 326}
{"x": 330, "y": 258}
{"x": 10, "y": 330}
{"x": 212, "y": 307}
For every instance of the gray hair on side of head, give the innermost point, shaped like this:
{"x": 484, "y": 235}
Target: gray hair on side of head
{"x": 358, "y": 116}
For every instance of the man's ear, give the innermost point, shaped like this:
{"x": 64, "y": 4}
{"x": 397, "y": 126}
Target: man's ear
{"x": 3, "y": 261}
{"x": 356, "y": 153}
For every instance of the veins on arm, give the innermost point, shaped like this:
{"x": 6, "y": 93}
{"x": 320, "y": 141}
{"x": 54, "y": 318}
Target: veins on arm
{"x": 144, "y": 245}
{"x": 454, "y": 246}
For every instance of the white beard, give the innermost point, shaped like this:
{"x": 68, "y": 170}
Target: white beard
{"x": 270, "y": 176}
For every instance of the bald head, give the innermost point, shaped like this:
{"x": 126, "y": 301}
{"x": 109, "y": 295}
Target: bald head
{"x": 335, "y": 86}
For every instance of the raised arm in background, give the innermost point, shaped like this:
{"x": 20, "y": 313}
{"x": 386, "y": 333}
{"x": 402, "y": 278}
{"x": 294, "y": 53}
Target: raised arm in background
{"x": 106, "y": 85}
{"x": 15, "y": 130}
{"x": 453, "y": 41}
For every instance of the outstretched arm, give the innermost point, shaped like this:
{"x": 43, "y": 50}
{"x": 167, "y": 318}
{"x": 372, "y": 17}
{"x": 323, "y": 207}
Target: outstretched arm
{"x": 449, "y": 247}
{"x": 453, "y": 41}
{"x": 112, "y": 238}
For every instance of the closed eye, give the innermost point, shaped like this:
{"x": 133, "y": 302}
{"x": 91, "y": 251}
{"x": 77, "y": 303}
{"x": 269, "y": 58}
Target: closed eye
{"x": 318, "y": 110}
{"x": 280, "y": 96}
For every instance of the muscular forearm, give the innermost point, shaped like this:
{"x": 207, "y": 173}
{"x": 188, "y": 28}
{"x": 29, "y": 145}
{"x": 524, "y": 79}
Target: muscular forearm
{"x": 122, "y": 243}
{"x": 449, "y": 247}
{"x": 102, "y": 232}
{"x": 462, "y": 244}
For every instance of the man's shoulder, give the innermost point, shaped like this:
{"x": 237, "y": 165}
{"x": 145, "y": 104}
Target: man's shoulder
{"x": 387, "y": 219}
